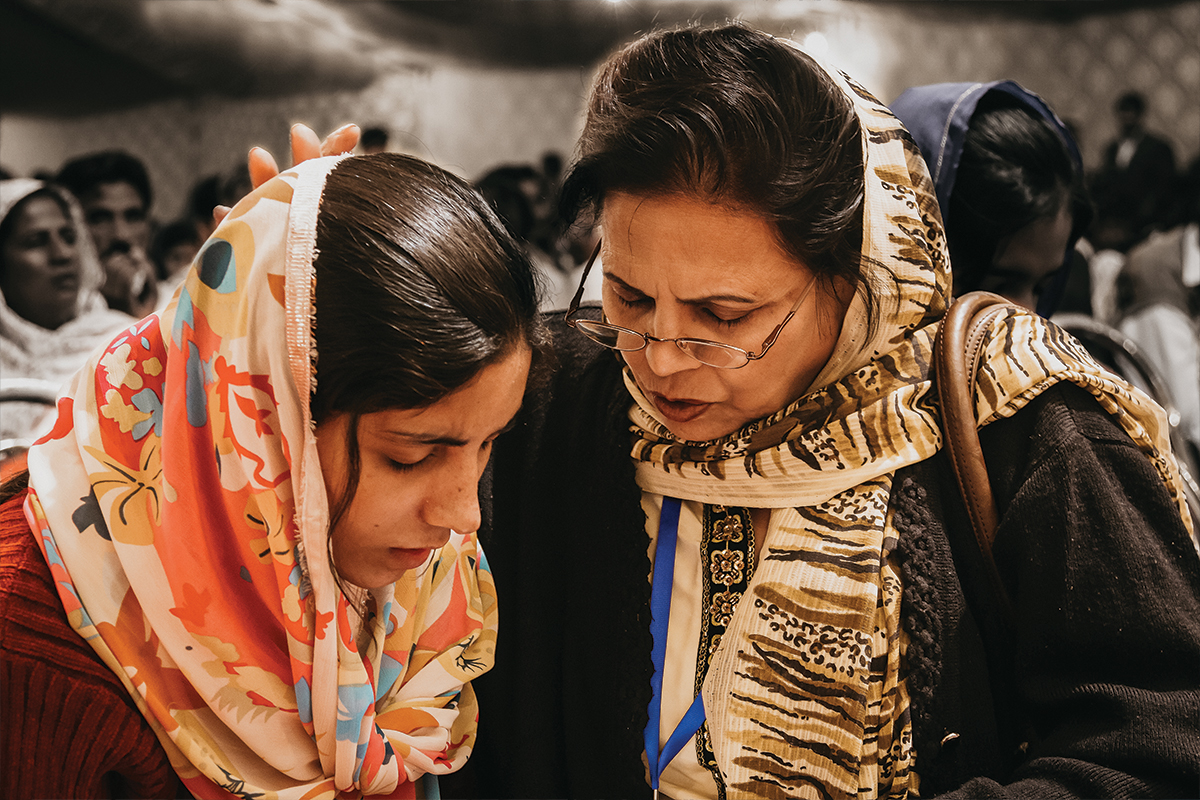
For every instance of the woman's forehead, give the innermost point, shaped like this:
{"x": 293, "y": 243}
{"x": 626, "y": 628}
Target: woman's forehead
{"x": 692, "y": 240}
{"x": 40, "y": 210}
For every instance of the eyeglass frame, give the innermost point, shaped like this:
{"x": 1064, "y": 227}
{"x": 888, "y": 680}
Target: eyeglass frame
{"x": 647, "y": 338}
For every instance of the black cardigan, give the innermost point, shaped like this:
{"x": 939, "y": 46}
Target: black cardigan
{"x": 1093, "y": 692}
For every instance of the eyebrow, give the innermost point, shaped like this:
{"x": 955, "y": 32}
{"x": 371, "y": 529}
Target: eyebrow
{"x": 449, "y": 441}
{"x": 699, "y": 301}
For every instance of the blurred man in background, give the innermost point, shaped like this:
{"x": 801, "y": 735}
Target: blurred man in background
{"x": 114, "y": 189}
{"x": 1133, "y": 188}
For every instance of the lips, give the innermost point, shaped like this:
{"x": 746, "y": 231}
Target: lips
{"x": 679, "y": 410}
{"x": 409, "y": 558}
{"x": 67, "y": 282}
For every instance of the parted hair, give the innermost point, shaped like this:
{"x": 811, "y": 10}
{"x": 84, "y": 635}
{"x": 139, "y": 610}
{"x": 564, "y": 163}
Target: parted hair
{"x": 737, "y": 116}
{"x": 419, "y": 286}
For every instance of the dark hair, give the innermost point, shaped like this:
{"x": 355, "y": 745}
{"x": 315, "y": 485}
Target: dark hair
{"x": 179, "y": 232}
{"x": 1133, "y": 102}
{"x": 1015, "y": 169}
{"x": 737, "y": 116}
{"x": 216, "y": 190}
{"x": 373, "y": 137}
{"x": 82, "y": 175}
{"x": 418, "y": 288}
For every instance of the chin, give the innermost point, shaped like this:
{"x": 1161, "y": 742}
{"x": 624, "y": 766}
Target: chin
{"x": 700, "y": 430}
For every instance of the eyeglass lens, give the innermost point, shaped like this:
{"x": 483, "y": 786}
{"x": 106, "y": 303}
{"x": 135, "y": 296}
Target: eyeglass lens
{"x": 713, "y": 354}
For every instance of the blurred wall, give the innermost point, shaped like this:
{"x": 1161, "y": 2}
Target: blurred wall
{"x": 1079, "y": 68}
{"x": 469, "y": 119}
{"x": 465, "y": 119}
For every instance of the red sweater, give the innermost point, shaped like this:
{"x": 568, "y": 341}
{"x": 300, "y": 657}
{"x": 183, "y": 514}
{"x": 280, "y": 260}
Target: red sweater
{"x": 70, "y": 730}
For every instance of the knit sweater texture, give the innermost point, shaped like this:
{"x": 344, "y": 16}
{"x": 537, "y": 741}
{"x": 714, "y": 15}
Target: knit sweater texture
{"x": 70, "y": 730}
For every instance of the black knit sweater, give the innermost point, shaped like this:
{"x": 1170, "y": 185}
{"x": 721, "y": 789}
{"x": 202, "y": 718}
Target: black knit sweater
{"x": 1091, "y": 690}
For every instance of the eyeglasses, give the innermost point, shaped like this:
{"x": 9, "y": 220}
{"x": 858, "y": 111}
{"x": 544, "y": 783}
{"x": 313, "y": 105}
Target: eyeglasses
{"x": 713, "y": 354}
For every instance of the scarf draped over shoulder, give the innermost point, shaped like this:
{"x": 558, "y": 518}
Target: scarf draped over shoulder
{"x": 180, "y": 504}
{"x": 805, "y": 695}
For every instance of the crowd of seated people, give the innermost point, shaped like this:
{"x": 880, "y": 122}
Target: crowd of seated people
{"x": 81, "y": 257}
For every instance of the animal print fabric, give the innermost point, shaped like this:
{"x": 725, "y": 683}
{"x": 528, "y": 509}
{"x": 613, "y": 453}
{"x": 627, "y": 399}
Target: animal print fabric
{"x": 805, "y": 695}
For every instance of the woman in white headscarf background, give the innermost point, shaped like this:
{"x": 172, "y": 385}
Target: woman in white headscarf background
{"x": 52, "y": 315}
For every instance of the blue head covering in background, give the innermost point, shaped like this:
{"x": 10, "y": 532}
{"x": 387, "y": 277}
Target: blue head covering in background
{"x": 938, "y": 116}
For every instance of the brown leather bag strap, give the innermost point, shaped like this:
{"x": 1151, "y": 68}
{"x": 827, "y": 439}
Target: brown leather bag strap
{"x": 956, "y": 353}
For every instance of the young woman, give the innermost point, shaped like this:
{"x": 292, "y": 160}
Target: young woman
{"x": 52, "y": 315}
{"x": 246, "y": 559}
{"x": 732, "y": 559}
{"x": 1009, "y": 182}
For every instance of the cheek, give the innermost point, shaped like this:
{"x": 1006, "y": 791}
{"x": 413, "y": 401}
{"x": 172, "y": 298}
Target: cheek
{"x": 376, "y": 518}
{"x": 20, "y": 268}
{"x": 382, "y": 500}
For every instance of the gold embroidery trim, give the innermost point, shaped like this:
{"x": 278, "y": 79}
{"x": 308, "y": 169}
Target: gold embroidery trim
{"x": 727, "y": 564}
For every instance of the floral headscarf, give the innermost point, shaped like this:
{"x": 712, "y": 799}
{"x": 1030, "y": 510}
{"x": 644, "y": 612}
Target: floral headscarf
{"x": 181, "y": 507}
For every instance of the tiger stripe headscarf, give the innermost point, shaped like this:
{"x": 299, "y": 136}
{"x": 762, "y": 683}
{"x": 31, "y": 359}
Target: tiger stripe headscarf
{"x": 180, "y": 504}
{"x": 804, "y": 695}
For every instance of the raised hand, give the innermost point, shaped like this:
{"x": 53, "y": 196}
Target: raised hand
{"x": 305, "y": 145}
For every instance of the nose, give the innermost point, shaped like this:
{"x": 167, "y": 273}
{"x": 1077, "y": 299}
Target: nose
{"x": 665, "y": 358}
{"x": 453, "y": 500}
{"x": 61, "y": 251}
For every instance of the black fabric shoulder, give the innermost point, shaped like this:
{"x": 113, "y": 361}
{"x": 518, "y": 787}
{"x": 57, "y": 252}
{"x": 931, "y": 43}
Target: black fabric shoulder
{"x": 562, "y": 712}
{"x": 1094, "y": 692}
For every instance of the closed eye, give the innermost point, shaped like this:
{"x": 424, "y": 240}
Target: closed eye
{"x": 640, "y": 301}
{"x": 724, "y": 321}
{"x": 405, "y": 466}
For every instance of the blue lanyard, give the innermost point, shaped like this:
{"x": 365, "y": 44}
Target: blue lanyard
{"x": 660, "y": 609}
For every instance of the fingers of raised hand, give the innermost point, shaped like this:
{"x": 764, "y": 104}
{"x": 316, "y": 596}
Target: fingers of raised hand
{"x": 305, "y": 144}
{"x": 342, "y": 140}
{"x": 262, "y": 167}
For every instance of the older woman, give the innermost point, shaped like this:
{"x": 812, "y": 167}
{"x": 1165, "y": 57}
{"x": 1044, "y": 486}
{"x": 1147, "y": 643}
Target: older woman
{"x": 754, "y": 403}
{"x": 51, "y": 313}
{"x": 731, "y": 559}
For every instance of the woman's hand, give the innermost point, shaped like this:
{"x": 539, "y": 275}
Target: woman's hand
{"x": 305, "y": 145}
